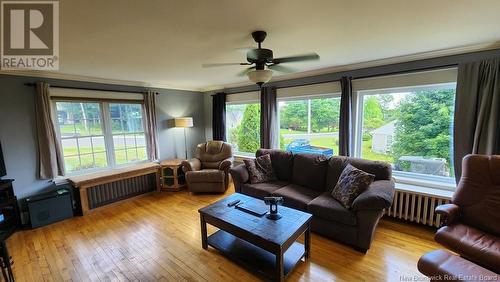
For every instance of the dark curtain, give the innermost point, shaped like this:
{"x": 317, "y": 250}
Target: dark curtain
{"x": 345, "y": 116}
{"x": 268, "y": 118}
{"x": 219, "y": 117}
{"x": 477, "y": 111}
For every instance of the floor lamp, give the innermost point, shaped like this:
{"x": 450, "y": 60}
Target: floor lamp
{"x": 182, "y": 122}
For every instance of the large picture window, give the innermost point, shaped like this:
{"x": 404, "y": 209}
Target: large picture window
{"x": 411, "y": 128}
{"x": 96, "y": 135}
{"x": 310, "y": 125}
{"x": 243, "y": 127}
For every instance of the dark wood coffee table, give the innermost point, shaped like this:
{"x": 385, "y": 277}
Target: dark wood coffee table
{"x": 266, "y": 246}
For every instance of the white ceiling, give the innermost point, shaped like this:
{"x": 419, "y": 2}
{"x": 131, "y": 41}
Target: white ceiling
{"x": 164, "y": 42}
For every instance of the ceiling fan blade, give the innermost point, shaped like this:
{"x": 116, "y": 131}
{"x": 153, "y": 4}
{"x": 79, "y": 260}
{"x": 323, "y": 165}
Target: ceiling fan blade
{"x": 281, "y": 68}
{"x": 300, "y": 58}
{"x": 223, "y": 64}
{"x": 245, "y": 71}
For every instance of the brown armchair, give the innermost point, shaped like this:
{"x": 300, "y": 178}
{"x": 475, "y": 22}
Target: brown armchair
{"x": 471, "y": 223}
{"x": 208, "y": 171}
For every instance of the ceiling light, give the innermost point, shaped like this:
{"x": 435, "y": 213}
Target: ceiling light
{"x": 260, "y": 76}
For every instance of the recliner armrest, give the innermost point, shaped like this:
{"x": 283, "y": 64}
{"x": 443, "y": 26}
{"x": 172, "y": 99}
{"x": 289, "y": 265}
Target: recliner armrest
{"x": 225, "y": 164}
{"x": 378, "y": 196}
{"x": 240, "y": 176}
{"x": 450, "y": 212}
{"x": 193, "y": 164}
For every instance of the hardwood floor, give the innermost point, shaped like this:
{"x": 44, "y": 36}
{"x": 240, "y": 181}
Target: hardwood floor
{"x": 157, "y": 237}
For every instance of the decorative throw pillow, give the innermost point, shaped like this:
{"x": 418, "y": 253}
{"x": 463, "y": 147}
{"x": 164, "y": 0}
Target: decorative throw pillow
{"x": 352, "y": 182}
{"x": 260, "y": 169}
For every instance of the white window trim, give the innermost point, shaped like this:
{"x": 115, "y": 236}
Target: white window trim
{"x": 404, "y": 178}
{"x": 302, "y": 98}
{"x": 107, "y": 134}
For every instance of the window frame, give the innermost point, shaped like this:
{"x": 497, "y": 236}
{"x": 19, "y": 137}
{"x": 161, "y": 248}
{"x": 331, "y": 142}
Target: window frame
{"x": 431, "y": 181}
{"x": 106, "y": 124}
{"x": 246, "y": 102}
{"x": 307, "y": 98}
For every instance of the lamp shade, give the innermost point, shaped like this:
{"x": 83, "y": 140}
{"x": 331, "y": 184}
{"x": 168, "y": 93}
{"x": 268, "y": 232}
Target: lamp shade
{"x": 260, "y": 76}
{"x": 182, "y": 122}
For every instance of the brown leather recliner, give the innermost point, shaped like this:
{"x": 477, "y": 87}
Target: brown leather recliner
{"x": 208, "y": 171}
{"x": 472, "y": 222}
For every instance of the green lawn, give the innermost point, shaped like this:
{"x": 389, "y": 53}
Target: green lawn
{"x": 368, "y": 154}
{"x": 288, "y": 131}
{"x": 122, "y": 156}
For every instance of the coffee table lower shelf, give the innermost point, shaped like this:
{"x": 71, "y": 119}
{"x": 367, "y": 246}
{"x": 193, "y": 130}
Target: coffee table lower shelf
{"x": 253, "y": 257}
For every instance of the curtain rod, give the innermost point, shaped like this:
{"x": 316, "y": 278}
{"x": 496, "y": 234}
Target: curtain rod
{"x": 89, "y": 88}
{"x": 337, "y": 76}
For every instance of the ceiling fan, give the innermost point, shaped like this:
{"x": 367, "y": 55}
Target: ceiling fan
{"x": 262, "y": 62}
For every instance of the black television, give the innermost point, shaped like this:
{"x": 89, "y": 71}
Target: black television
{"x": 3, "y": 172}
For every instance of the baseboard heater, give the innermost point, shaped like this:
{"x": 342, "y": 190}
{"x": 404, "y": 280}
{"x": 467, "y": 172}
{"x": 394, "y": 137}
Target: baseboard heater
{"x": 108, "y": 193}
{"x": 416, "y": 207}
{"x": 101, "y": 189}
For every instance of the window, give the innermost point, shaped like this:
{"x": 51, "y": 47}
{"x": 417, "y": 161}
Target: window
{"x": 96, "y": 135}
{"x": 243, "y": 127}
{"x": 128, "y": 133}
{"x": 310, "y": 125}
{"x": 411, "y": 128}
{"x": 82, "y": 135}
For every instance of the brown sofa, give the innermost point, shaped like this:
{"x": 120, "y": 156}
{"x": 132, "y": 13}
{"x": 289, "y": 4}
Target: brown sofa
{"x": 472, "y": 223}
{"x": 306, "y": 181}
{"x": 208, "y": 171}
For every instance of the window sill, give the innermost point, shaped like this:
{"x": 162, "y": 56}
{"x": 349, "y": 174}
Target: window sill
{"x": 240, "y": 157}
{"x": 112, "y": 174}
{"x": 65, "y": 179}
{"x": 425, "y": 191}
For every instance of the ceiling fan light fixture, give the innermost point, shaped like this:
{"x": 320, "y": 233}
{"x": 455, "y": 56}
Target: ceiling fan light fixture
{"x": 260, "y": 76}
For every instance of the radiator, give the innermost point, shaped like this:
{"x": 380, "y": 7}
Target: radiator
{"x": 414, "y": 207}
{"x": 107, "y": 193}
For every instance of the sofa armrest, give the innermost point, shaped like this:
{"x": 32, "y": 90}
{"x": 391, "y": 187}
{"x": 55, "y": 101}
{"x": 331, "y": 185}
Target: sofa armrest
{"x": 449, "y": 212}
{"x": 240, "y": 176}
{"x": 191, "y": 165}
{"x": 378, "y": 196}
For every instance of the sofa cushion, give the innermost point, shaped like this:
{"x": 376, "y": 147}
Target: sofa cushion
{"x": 260, "y": 169}
{"x": 352, "y": 183}
{"x": 309, "y": 170}
{"x": 261, "y": 190}
{"x": 471, "y": 243}
{"x": 282, "y": 162}
{"x": 326, "y": 207}
{"x": 297, "y": 196}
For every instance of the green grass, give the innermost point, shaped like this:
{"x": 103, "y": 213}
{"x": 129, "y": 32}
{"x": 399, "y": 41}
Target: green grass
{"x": 122, "y": 156}
{"x": 366, "y": 153}
{"x": 287, "y": 131}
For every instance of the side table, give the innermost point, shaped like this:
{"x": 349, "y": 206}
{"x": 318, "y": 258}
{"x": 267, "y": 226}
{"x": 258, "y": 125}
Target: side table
{"x": 172, "y": 177}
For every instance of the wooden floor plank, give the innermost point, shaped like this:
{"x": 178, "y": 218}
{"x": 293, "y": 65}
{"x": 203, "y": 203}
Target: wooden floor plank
{"x": 157, "y": 238}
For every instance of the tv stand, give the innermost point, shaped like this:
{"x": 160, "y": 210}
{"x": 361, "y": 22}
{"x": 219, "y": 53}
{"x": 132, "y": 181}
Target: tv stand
{"x": 10, "y": 221}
